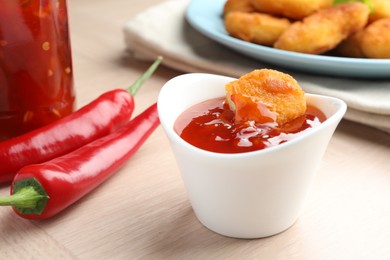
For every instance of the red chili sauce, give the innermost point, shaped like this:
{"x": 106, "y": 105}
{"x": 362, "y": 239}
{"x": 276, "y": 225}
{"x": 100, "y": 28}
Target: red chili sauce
{"x": 36, "y": 79}
{"x": 210, "y": 125}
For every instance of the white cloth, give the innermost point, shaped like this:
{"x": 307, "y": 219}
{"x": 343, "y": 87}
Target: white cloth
{"x": 163, "y": 30}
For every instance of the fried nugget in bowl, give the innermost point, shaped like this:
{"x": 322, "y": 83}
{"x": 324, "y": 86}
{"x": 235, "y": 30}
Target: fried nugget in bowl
{"x": 294, "y": 9}
{"x": 266, "y": 96}
{"x": 258, "y": 28}
{"x": 325, "y": 29}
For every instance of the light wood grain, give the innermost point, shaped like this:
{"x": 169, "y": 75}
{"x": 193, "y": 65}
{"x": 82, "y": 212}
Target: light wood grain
{"x": 143, "y": 212}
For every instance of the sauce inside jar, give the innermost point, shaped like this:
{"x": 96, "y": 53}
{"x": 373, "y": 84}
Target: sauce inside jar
{"x": 210, "y": 125}
{"x": 36, "y": 82}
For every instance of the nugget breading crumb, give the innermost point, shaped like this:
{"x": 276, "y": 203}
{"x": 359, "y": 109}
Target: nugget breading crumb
{"x": 266, "y": 96}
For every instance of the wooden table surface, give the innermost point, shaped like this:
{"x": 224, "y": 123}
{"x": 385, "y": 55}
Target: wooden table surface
{"x": 143, "y": 211}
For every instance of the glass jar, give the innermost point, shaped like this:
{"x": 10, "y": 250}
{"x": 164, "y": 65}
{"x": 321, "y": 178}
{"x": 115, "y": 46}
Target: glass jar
{"x": 36, "y": 80}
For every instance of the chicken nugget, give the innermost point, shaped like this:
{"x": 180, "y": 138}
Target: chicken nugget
{"x": 294, "y": 9}
{"x": 238, "y": 5}
{"x": 266, "y": 96}
{"x": 258, "y": 28}
{"x": 324, "y": 29}
{"x": 381, "y": 9}
{"x": 375, "y": 42}
{"x": 351, "y": 47}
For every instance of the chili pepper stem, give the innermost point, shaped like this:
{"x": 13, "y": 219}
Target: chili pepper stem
{"x": 27, "y": 197}
{"x": 133, "y": 89}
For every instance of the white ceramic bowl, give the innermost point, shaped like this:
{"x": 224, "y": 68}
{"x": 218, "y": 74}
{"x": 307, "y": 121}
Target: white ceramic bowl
{"x": 245, "y": 195}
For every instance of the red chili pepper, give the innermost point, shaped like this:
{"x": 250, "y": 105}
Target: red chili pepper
{"x": 98, "y": 118}
{"x": 40, "y": 191}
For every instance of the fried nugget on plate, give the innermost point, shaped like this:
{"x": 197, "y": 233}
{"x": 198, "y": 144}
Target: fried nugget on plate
{"x": 381, "y": 9}
{"x": 375, "y": 42}
{"x": 324, "y": 29}
{"x": 294, "y": 9}
{"x": 258, "y": 28}
{"x": 266, "y": 96}
{"x": 238, "y": 5}
{"x": 351, "y": 47}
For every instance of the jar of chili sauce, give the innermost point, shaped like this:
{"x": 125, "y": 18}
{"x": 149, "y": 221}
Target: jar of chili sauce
{"x": 36, "y": 80}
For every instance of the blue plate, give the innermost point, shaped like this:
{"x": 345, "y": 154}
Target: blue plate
{"x": 206, "y": 17}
